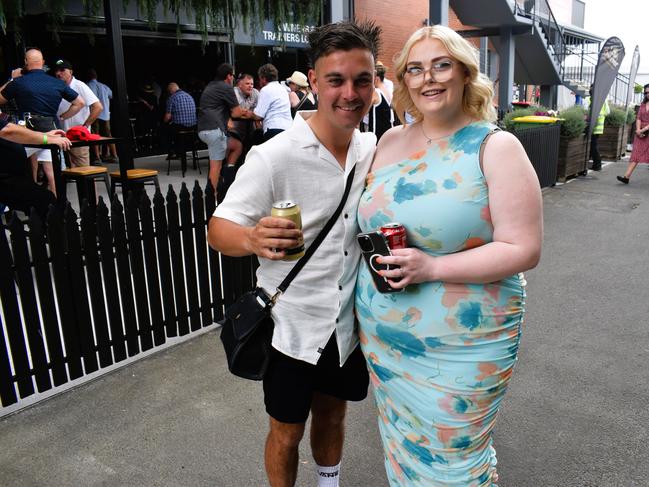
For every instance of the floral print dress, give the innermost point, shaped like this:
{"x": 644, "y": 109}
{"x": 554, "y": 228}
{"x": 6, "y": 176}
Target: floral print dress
{"x": 440, "y": 355}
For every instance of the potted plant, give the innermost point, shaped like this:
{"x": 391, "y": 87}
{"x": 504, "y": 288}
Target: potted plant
{"x": 610, "y": 143}
{"x": 573, "y": 144}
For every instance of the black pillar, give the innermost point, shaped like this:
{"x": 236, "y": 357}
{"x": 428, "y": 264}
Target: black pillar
{"x": 120, "y": 125}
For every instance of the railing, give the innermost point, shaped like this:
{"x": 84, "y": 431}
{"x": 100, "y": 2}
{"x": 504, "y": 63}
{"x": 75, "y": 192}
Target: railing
{"x": 541, "y": 13}
{"x": 79, "y": 296}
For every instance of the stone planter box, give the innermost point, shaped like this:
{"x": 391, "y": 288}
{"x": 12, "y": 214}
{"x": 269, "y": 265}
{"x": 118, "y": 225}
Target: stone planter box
{"x": 611, "y": 143}
{"x": 573, "y": 157}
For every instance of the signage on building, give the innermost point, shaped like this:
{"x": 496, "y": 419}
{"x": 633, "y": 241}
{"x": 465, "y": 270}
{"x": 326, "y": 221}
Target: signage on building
{"x": 287, "y": 34}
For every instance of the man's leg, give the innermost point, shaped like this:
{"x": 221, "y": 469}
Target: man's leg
{"x": 281, "y": 454}
{"x": 214, "y": 172}
{"x": 327, "y": 436}
{"x": 594, "y": 152}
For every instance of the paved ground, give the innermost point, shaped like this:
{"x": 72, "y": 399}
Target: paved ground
{"x": 576, "y": 413}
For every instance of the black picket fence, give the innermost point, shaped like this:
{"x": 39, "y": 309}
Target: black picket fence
{"x": 81, "y": 294}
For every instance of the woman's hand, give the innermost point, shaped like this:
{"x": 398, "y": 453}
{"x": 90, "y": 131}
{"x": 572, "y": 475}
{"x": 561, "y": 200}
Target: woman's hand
{"x": 413, "y": 266}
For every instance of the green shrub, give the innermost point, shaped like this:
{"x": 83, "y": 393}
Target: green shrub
{"x": 617, "y": 117}
{"x": 574, "y": 121}
{"x": 507, "y": 122}
{"x": 630, "y": 115}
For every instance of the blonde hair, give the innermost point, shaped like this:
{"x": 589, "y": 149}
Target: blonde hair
{"x": 477, "y": 100}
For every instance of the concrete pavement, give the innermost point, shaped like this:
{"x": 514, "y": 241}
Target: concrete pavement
{"x": 576, "y": 413}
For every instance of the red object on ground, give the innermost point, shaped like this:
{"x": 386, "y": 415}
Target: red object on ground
{"x": 79, "y": 132}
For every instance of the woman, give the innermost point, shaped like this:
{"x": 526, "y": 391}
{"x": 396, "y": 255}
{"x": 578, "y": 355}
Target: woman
{"x": 640, "y": 152}
{"x": 442, "y": 352}
{"x": 300, "y": 95}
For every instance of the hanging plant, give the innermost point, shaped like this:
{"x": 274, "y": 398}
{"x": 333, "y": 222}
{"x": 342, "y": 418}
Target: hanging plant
{"x": 209, "y": 15}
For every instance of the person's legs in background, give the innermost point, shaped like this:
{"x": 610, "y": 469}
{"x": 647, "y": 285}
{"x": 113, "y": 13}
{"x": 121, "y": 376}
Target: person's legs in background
{"x": 216, "y": 145}
{"x": 594, "y": 153}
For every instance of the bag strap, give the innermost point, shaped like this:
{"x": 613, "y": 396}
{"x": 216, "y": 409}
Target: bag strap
{"x": 318, "y": 240}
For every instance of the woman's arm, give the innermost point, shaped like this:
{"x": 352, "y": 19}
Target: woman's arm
{"x": 516, "y": 211}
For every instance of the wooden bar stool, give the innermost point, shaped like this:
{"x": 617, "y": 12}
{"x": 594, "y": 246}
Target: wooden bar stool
{"x": 139, "y": 176}
{"x": 85, "y": 177}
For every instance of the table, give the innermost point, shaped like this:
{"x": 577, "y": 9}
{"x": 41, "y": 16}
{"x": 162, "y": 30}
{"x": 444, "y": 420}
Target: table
{"x": 56, "y": 159}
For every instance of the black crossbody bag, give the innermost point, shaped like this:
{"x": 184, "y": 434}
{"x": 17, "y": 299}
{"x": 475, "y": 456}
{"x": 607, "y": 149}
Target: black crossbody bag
{"x": 247, "y": 330}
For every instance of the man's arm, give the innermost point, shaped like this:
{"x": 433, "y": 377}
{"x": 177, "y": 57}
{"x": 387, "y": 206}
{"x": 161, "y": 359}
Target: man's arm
{"x": 95, "y": 111}
{"x": 16, "y": 73}
{"x": 269, "y": 234}
{"x": 22, "y": 135}
{"x": 75, "y": 105}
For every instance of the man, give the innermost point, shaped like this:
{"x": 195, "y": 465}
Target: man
{"x": 317, "y": 364}
{"x": 79, "y": 156}
{"x": 180, "y": 114}
{"x": 17, "y": 189}
{"x": 102, "y": 124}
{"x": 597, "y": 131}
{"x": 274, "y": 105}
{"x": 218, "y": 103}
{"x": 39, "y": 94}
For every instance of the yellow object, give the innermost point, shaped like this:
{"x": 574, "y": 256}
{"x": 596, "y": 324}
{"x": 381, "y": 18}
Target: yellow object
{"x": 536, "y": 119}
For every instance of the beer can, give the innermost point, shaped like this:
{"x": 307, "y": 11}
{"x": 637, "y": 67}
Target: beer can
{"x": 290, "y": 210}
{"x": 395, "y": 233}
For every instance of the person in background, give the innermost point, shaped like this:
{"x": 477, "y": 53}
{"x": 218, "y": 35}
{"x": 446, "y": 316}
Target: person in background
{"x": 597, "y": 131}
{"x": 180, "y": 114}
{"x": 441, "y": 354}
{"x": 79, "y": 156}
{"x": 640, "y": 152}
{"x": 316, "y": 365}
{"x": 101, "y": 126}
{"x": 240, "y": 130}
{"x": 274, "y": 106}
{"x": 38, "y": 94}
{"x": 381, "y": 116}
{"x": 382, "y": 83}
{"x": 218, "y": 103}
{"x": 18, "y": 190}
{"x": 301, "y": 97}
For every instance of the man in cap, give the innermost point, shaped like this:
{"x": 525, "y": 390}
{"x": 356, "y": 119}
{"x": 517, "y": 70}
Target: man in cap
{"x": 79, "y": 156}
{"x": 317, "y": 365}
{"x": 39, "y": 95}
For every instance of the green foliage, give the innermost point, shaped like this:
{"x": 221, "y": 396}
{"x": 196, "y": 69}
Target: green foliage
{"x": 574, "y": 121}
{"x": 637, "y": 88}
{"x": 617, "y": 117}
{"x": 630, "y": 115}
{"x": 209, "y": 15}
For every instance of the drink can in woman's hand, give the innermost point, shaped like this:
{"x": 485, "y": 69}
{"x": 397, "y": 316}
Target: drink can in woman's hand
{"x": 291, "y": 211}
{"x": 395, "y": 233}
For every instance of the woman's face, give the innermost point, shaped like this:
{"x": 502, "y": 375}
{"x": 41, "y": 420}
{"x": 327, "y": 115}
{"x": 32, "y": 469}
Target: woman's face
{"x": 292, "y": 86}
{"x": 434, "y": 79}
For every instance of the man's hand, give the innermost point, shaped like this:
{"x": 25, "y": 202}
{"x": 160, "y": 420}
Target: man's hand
{"x": 17, "y": 73}
{"x": 57, "y": 137}
{"x": 271, "y": 235}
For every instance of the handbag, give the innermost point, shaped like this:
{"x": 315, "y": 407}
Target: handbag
{"x": 40, "y": 123}
{"x": 247, "y": 328}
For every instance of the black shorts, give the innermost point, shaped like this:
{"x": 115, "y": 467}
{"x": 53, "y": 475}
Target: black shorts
{"x": 289, "y": 383}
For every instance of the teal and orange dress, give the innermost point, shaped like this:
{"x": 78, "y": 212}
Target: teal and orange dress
{"x": 440, "y": 355}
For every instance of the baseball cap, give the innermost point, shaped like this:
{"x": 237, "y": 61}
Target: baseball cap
{"x": 62, "y": 64}
{"x": 79, "y": 132}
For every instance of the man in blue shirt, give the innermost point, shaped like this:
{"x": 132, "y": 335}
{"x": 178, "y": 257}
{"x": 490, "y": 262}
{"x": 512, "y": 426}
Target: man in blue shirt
{"x": 37, "y": 93}
{"x": 101, "y": 125}
{"x": 181, "y": 109}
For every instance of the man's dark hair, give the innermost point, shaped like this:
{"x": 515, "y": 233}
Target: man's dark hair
{"x": 268, "y": 72}
{"x": 223, "y": 70}
{"x": 344, "y": 36}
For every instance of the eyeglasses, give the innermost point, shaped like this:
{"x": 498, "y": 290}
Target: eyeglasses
{"x": 440, "y": 71}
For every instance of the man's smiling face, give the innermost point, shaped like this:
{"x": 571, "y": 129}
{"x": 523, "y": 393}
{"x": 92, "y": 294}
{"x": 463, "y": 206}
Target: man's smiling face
{"x": 344, "y": 82}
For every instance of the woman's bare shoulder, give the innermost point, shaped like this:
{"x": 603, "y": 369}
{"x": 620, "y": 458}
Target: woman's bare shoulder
{"x": 394, "y": 146}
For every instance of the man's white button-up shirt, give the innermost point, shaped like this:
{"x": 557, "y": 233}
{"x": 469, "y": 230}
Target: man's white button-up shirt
{"x": 295, "y": 166}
